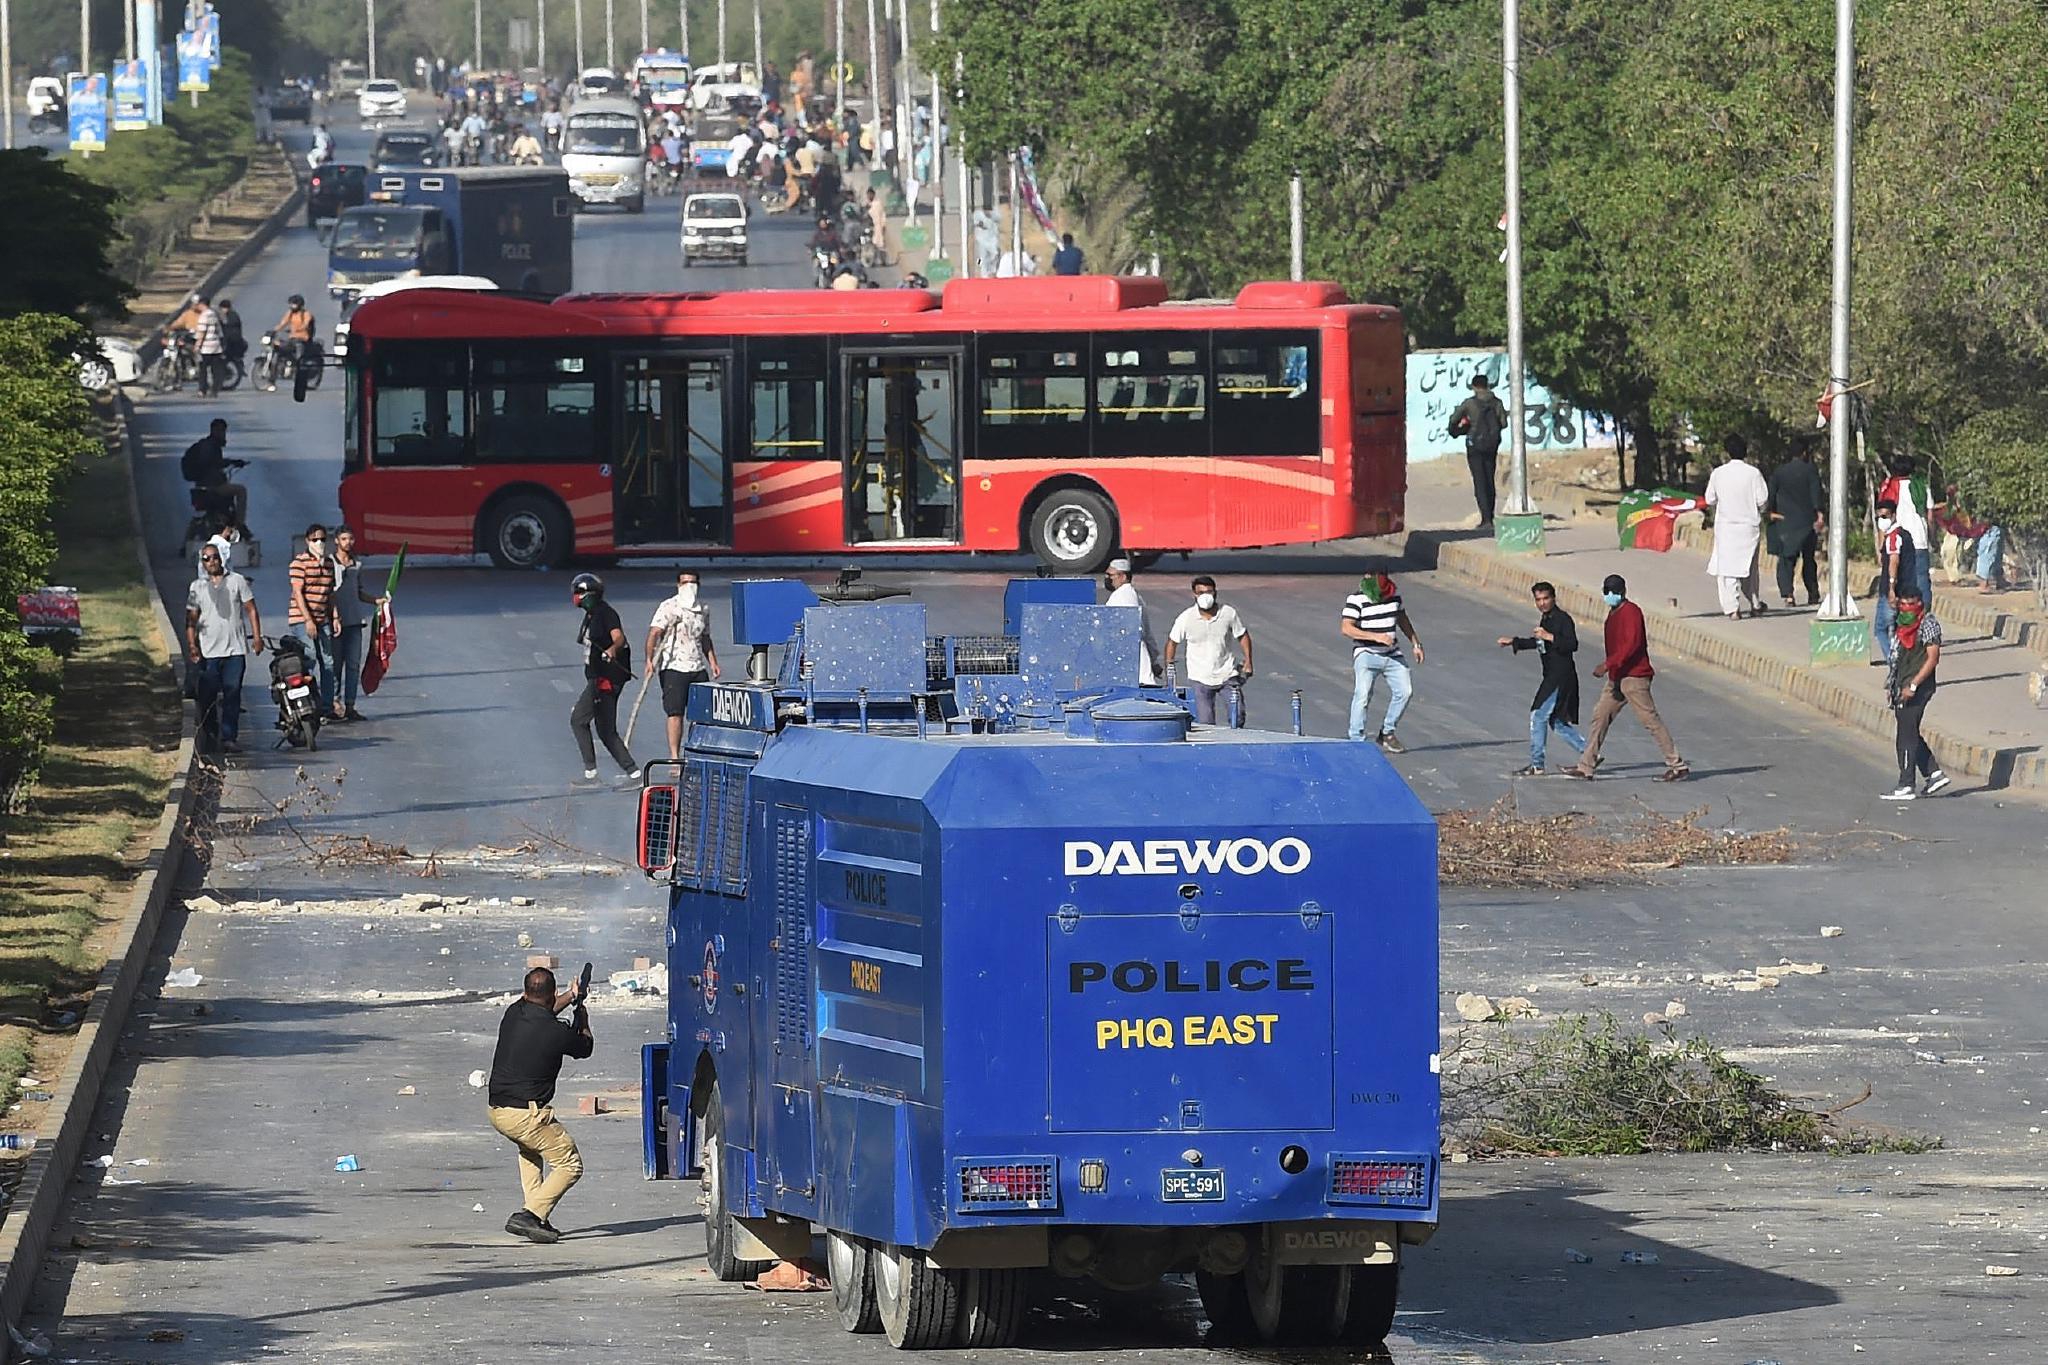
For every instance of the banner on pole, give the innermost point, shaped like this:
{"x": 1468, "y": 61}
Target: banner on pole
{"x": 88, "y": 106}
{"x": 193, "y": 71}
{"x": 131, "y": 96}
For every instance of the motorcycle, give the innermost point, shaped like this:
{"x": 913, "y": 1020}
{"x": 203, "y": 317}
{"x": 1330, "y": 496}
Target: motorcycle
{"x": 208, "y": 503}
{"x": 312, "y": 364}
{"x": 38, "y": 124}
{"x": 274, "y": 365}
{"x": 824, "y": 265}
{"x": 294, "y": 687}
{"x": 472, "y": 150}
{"x": 177, "y": 363}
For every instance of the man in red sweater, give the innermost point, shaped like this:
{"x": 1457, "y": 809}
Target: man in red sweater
{"x": 1627, "y": 671}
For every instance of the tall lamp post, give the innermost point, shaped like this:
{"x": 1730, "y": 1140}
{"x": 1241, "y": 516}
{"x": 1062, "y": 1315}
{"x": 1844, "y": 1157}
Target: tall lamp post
{"x": 1837, "y": 631}
{"x": 1520, "y": 529}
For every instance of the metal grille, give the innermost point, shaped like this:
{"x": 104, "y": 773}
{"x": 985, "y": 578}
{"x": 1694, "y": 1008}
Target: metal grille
{"x": 962, "y": 655}
{"x": 792, "y": 925}
{"x": 792, "y": 671}
{"x": 732, "y": 846}
{"x": 657, "y": 829}
{"x": 690, "y": 825}
{"x": 1026, "y": 1183}
{"x": 1369, "y": 1180}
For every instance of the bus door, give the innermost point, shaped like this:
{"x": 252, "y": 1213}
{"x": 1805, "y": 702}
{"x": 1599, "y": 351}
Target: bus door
{"x": 902, "y": 446}
{"x": 673, "y": 480}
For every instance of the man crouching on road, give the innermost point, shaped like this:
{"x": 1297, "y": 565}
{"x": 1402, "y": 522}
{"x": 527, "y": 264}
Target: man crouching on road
{"x": 531, "y": 1045}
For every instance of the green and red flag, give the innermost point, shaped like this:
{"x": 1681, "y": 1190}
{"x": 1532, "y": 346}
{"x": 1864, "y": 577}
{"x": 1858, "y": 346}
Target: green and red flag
{"x": 384, "y": 630}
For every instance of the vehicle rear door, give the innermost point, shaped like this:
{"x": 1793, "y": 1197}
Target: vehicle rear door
{"x": 672, "y": 478}
{"x": 900, "y": 435}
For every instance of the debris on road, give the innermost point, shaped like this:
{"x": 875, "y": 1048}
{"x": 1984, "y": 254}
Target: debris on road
{"x": 1577, "y": 1257}
{"x": 1640, "y": 1258}
{"x": 646, "y": 981}
{"x": 347, "y": 1163}
{"x": 407, "y": 1090}
{"x": 1499, "y": 847}
{"x": 1474, "y": 1009}
{"x": 2001, "y": 1271}
{"x": 184, "y": 979}
{"x": 1831, "y": 931}
{"x": 477, "y": 1078}
{"x": 476, "y": 1208}
{"x": 525, "y": 940}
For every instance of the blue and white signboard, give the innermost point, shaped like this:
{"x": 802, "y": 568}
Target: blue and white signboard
{"x": 88, "y": 106}
{"x": 131, "y": 95}
{"x": 1438, "y": 381}
{"x": 194, "y": 71}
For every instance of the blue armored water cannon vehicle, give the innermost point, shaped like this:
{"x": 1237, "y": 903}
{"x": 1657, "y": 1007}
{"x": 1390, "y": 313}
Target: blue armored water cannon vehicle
{"x": 990, "y": 965}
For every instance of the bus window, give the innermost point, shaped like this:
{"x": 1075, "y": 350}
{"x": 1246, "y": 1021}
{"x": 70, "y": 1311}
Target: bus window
{"x": 421, "y": 413}
{"x": 1151, "y": 393}
{"x": 1267, "y": 399}
{"x": 1033, "y": 396}
{"x": 786, "y": 400}
{"x": 536, "y": 406}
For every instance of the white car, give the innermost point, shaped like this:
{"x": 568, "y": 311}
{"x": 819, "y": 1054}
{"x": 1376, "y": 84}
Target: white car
{"x": 117, "y": 363}
{"x": 380, "y": 99}
{"x": 715, "y": 225}
{"x": 713, "y": 87}
{"x": 339, "y": 347}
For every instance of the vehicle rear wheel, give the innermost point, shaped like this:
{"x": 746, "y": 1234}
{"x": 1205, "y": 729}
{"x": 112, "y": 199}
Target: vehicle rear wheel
{"x": 165, "y": 377}
{"x": 637, "y": 204}
{"x": 719, "y": 1234}
{"x": 992, "y": 1304}
{"x": 527, "y": 531}
{"x": 918, "y": 1302}
{"x": 1374, "y": 1291}
{"x": 849, "y": 1260}
{"x": 1296, "y": 1305}
{"x": 1073, "y": 530}
{"x": 95, "y": 375}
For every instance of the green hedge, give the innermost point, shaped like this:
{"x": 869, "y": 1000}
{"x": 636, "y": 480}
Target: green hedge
{"x": 46, "y": 426}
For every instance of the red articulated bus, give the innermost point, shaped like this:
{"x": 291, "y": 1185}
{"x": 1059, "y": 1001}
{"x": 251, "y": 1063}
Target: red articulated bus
{"x": 1074, "y": 417}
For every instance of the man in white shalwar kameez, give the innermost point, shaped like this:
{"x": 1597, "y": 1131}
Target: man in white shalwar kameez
{"x": 1738, "y": 494}
{"x": 1123, "y": 593}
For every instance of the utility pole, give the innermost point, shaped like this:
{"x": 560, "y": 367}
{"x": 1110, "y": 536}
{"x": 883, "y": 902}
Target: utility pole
{"x": 938, "y": 156}
{"x": 875, "y": 79}
{"x": 1518, "y": 504}
{"x": 960, "y": 172}
{"x": 1296, "y": 270}
{"x": 643, "y": 27}
{"x": 7, "y": 70}
{"x": 579, "y": 37}
{"x": 759, "y": 69}
{"x": 905, "y": 144}
{"x": 84, "y": 39}
{"x": 369, "y": 22}
{"x": 721, "y": 41}
{"x": 476, "y": 51}
{"x": 128, "y": 28}
{"x": 611, "y": 51}
{"x": 839, "y": 66}
{"x": 540, "y": 36}
{"x": 1837, "y": 634}
{"x": 683, "y": 14}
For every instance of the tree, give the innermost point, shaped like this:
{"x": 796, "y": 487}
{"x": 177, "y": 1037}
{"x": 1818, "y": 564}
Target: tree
{"x": 61, "y": 230}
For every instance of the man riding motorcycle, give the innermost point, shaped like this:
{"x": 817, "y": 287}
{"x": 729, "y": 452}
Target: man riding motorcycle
{"x": 294, "y": 330}
{"x": 473, "y": 130}
{"x": 525, "y": 147}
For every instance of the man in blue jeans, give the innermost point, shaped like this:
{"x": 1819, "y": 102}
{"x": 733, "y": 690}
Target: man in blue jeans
{"x": 1371, "y": 617}
{"x": 218, "y": 606}
{"x": 1556, "y": 639}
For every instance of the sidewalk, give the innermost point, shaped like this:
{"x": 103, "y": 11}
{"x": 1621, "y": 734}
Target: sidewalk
{"x": 1982, "y": 721}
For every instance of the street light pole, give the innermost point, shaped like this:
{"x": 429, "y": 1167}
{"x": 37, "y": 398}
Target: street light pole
{"x": 1295, "y": 265}
{"x": 643, "y": 26}
{"x": 476, "y": 52}
{"x": 1511, "y": 90}
{"x": 683, "y": 23}
{"x": 874, "y": 76}
{"x": 611, "y": 49}
{"x": 1837, "y": 606}
{"x": 540, "y": 36}
{"x": 128, "y": 26}
{"x": 84, "y": 38}
{"x": 369, "y": 22}
{"x": 759, "y": 69}
{"x": 721, "y": 41}
{"x": 7, "y": 70}
{"x": 938, "y": 156}
{"x": 839, "y": 65}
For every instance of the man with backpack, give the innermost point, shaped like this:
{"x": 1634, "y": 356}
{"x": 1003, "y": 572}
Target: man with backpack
{"x": 205, "y": 466}
{"x": 1481, "y": 419}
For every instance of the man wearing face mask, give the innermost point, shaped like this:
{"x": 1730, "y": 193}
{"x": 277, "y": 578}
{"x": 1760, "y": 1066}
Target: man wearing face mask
{"x": 1208, "y": 630}
{"x": 221, "y": 628}
{"x": 1627, "y": 671}
{"x": 1916, "y": 649}
{"x": 680, "y": 652}
{"x": 608, "y": 667}
{"x": 1124, "y": 593}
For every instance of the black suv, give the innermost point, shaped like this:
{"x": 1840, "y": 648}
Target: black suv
{"x": 402, "y": 147}
{"x": 333, "y": 188}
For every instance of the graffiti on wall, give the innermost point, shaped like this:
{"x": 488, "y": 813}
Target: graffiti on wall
{"x": 1438, "y": 381}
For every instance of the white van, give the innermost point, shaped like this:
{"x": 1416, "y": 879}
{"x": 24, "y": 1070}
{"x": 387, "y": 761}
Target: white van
{"x": 604, "y": 150}
{"x": 715, "y": 226}
{"x": 711, "y": 86}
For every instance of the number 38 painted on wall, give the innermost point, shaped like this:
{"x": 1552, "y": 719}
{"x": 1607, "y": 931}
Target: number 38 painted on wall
{"x": 1554, "y": 423}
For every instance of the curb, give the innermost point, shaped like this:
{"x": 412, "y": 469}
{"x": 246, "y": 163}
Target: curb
{"x": 2012, "y": 766}
{"x": 241, "y": 255}
{"x": 39, "y": 1200}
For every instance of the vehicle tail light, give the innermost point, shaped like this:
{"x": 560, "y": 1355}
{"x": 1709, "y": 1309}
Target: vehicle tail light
{"x": 295, "y": 679}
{"x": 657, "y": 839}
{"x": 1020, "y": 1184}
{"x": 1377, "y": 1180}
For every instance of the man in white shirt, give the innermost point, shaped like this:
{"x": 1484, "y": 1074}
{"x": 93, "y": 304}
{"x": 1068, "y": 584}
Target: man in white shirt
{"x": 221, "y": 627}
{"x": 1123, "y": 593}
{"x": 680, "y": 652}
{"x": 1738, "y": 494}
{"x": 1213, "y": 636}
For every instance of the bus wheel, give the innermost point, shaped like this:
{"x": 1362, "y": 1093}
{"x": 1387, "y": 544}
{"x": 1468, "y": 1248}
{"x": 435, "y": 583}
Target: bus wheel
{"x": 1296, "y": 1305}
{"x": 719, "y": 1255}
{"x": 992, "y": 1304}
{"x": 1374, "y": 1289}
{"x": 850, "y": 1262}
{"x": 528, "y": 531}
{"x": 917, "y": 1301}
{"x": 1074, "y": 530}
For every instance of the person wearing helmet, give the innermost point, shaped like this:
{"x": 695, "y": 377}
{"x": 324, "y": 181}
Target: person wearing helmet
{"x": 295, "y": 328}
{"x": 606, "y": 670}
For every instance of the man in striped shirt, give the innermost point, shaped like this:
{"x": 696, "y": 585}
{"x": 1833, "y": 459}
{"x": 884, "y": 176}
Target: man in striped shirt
{"x": 210, "y": 339}
{"x": 1372, "y": 615}
{"x": 312, "y": 615}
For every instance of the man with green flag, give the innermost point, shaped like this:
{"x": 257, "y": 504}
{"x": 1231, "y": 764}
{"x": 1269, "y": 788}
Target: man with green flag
{"x": 384, "y": 637}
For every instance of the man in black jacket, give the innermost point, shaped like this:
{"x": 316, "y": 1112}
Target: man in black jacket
{"x": 607, "y": 668}
{"x": 531, "y": 1045}
{"x": 1797, "y": 517}
{"x": 1556, "y": 640}
{"x": 1480, "y": 419}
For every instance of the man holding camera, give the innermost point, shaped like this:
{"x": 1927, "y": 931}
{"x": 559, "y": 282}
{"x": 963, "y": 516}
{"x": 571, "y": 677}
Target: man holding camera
{"x": 532, "y": 1042}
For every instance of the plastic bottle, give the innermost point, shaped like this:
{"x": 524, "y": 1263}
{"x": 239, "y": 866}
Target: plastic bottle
{"x": 17, "y": 1142}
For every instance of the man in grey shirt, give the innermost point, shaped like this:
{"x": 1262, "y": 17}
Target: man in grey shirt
{"x": 221, "y": 628}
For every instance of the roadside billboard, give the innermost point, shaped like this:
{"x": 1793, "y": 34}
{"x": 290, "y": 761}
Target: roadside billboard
{"x": 131, "y": 95}
{"x": 88, "y": 107}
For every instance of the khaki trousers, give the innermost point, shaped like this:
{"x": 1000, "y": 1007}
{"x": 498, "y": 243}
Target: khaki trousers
{"x": 1635, "y": 694}
{"x": 540, "y": 1137}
